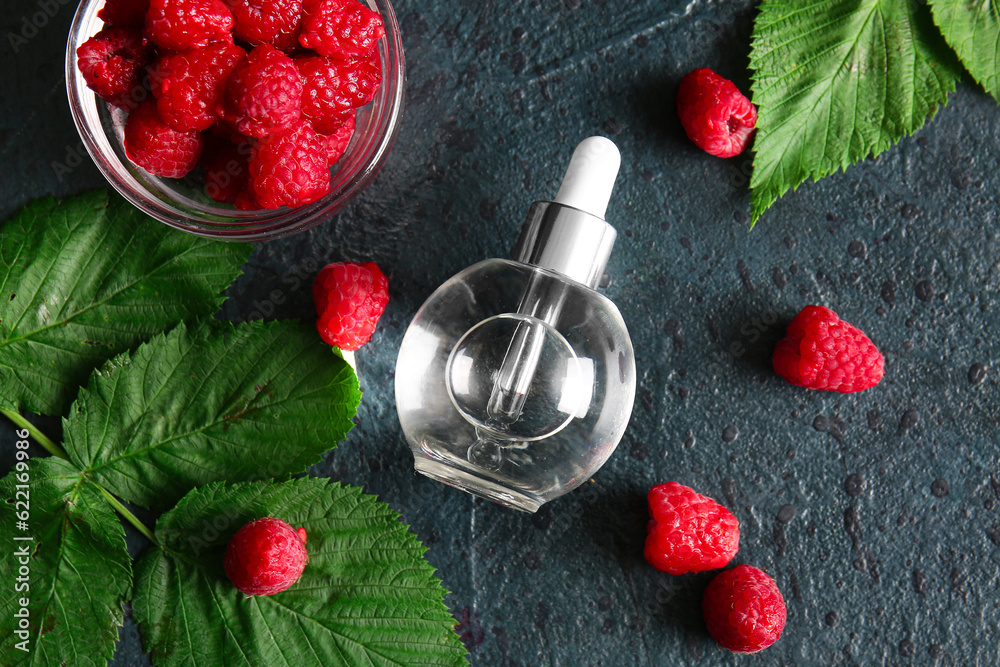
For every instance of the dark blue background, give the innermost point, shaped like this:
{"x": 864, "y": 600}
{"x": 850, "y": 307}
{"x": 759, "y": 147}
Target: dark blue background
{"x": 876, "y": 513}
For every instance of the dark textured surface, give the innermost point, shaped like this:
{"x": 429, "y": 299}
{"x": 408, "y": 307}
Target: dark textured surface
{"x": 878, "y": 514}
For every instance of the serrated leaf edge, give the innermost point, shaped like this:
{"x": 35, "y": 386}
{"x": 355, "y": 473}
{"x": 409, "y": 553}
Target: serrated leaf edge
{"x": 205, "y": 329}
{"x": 763, "y": 198}
{"x": 411, "y": 542}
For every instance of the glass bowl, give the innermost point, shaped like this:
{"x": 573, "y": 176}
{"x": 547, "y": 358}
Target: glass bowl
{"x": 182, "y": 203}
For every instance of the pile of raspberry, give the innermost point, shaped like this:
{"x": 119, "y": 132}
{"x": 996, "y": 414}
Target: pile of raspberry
{"x": 262, "y": 94}
{"x": 743, "y": 608}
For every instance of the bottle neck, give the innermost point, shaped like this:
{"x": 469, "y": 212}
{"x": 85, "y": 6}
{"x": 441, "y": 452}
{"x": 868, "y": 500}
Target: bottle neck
{"x": 566, "y": 240}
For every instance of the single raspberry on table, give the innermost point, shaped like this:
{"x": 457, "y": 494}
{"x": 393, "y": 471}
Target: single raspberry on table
{"x": 188, "y": 84}
{"x": 330, "y": 88}
{"x": 179, "y": 25}
{"x": 227, "y": 168}
{"x": 266, "y": 556}
{"x": 689, "y": 532}
{"x": 289, "y": 168}
{"x": 338, "y": 140}
{"x": 124, "y": 13}
{"x": 341, "y": 29}
{"x": 264, "y": 93}
{"x": 350, "y": 299}
{"x": 821, "y": 351}
{"x": 744, "y": 610}
{"x": 112, "y": 63}
{"x": 156, "y": 147}
{"x": 274, "y": 22}
{"x": 717, "y": 117}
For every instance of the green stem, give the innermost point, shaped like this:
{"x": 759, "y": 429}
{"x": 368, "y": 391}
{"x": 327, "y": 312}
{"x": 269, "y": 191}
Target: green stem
{"x": 56, "y": 450}
{"x": 39, "y": 437}
{"x": 131, "y": 518}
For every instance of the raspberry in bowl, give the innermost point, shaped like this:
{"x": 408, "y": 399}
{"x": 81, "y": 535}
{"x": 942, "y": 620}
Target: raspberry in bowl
{"x": 230, "y": 127}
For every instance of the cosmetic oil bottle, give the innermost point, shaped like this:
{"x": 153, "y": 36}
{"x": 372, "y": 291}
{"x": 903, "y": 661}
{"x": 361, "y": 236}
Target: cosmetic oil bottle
{"x": 516, "y": 378}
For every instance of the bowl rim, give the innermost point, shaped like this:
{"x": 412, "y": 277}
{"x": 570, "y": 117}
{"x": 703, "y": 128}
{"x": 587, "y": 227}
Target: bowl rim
{"x": 150, "y": 193}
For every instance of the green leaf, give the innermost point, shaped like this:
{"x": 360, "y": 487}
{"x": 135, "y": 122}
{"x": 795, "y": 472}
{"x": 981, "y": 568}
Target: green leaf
{"x": 837, "y": 80}
{"x": 217, "y": 402}
{"x": 85, "y": 278}
{"x": 367, "y": 597}
{"x": 79, "y": 571}
{"x": 972, "y": 29}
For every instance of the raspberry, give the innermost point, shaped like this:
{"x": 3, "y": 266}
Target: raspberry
{"x": 821, "y": 351}
{"x": 349, "y": 298}
{"x": 179, "y": 25}
{"x": 289, "y": 168}
{"x": 334, "y": 123}
{"x": 330, "y": 88}
{"x": 717, "y": 117}
{"x": 246, "y": 202}
{"x": 341, "y": 29}
{"x": 225, "y": 130}
{"x": 689, "y": 532}
{"x": 112, "y": 64}
{"x": 266, "y": 556}
{"x": 338, "y": 140}
{"x": 274, "y": 22}
{"x": 227, "y": 169}
{"x": 156, "y": 147}
{"x": 264, "y": 93}
{"x": 744, "y": 610}
{"x": 189, "y": 84}
{"x": 124, "y": 13}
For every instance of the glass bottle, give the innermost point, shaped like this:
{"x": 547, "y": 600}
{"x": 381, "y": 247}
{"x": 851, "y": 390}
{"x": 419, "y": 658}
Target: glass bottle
{"x": 516, "y": 378}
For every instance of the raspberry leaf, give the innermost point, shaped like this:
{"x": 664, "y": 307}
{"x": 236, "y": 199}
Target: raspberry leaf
{"x": 973, "y": 30}
{"x": 209, "y": 403}
{"x": 79, "y": 571}
{"x": 836, "y": 81}
{"x": 367, "y": 596}
{"x": 85, "y": 278}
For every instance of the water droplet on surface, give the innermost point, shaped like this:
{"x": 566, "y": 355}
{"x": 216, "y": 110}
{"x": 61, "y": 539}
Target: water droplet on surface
{"x": 888, "y": 292}
{"x": 786, "y": 513}
{"x": 778, "y": 276}
{"x": 855, "y": 484}
{"x": 977, "y": 373}
{"x": 940, "y": 487}
{"x": 925, "y": 290}
{"x": 874, "y": 420}
{"x": 919, "y": 582}
{"x": 910, "y": 419}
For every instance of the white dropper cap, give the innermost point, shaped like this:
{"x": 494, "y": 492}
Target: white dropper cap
{"x": 569, "y": 235}
{"x": 590, "y": 176}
